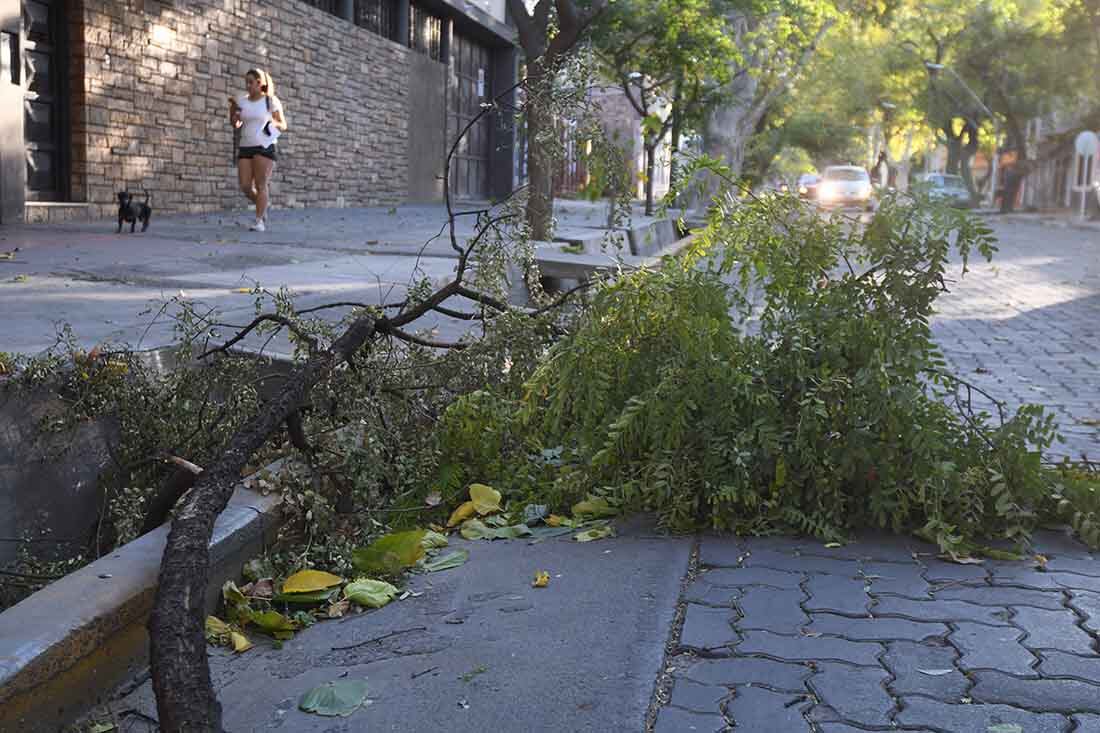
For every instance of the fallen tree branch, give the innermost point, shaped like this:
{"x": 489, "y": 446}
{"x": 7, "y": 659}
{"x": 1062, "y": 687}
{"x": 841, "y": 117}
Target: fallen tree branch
{"x": 264, "y": 318}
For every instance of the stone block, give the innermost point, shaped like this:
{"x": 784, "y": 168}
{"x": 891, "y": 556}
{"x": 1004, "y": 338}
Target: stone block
{"x": 857, "y": 694}
{"x": 935, "y": 715}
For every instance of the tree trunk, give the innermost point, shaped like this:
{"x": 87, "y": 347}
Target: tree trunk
{"x": 676, "y": 131}
{"x": 650, "y": 167}
{"x": 186, "y": 701}
{"x": 540, "y": 167}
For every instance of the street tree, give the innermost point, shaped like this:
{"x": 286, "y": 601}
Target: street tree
{"x": 671, "y": 59}
{"x": 548, "y": 31}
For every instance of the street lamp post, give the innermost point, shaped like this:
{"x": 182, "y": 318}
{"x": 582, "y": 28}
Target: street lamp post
{"x": 932, "y": 69}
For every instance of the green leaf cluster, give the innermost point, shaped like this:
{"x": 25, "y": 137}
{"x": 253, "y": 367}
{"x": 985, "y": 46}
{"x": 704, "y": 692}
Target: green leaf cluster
{"x": 781, "y": 377}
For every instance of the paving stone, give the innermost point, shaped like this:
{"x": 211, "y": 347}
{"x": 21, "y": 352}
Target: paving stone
{"x": 920, "y": 711}
{"x": 904, "y": 660}
{"x": 1052, "y": 630}
{"x": 706, "y": 594}
{"x": 857, "y": 694}
{"x": 740, "y": 577}
{"x": 878, "y": 547}
{"x": 987, "y": 596}
{"x": 903, "y": 579}
{"x": 845, "y": 567}
{"x": 1086, "y": 723}
{"x": 938, "y": 571}
{"x": 874, "y": 629}
{"x": 1056, "y": 543}
{"x": 707, "y": 630}
{"x": 1075, "y": 581}
{"x": 1062, "y": 664}
{"x": 1082, "y": 564}
{"x": 805, "y": 648}
{"x": 782, "y": 543}
{"x": 720, "y": 552}
{"x": 992, "y": 647}
{"x": 772, "y": 609}
{"x": 674, "y": 720}
{"x": 749, "y": 670}
{"x": 776, "y": 559}
{"x": 845, "y": 728}
{"x": 1065, "y": 696}
{"x": 697, "y": 697}
{"x": 835, "y": 594}
{"x": 937, "y": 610}
{"x": 757, "y": 709}
{"x": 1088, "y": 605}
{"x": 1022, "y": 576}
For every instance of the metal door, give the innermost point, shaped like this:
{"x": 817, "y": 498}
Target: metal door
{"x": 12, "y": 167}
{"x": 44, "y": 103}
{"x": 470, "y": 85}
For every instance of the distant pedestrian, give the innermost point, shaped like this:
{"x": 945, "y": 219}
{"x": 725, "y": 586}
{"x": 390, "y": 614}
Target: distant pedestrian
{"x": 258, "y": 114}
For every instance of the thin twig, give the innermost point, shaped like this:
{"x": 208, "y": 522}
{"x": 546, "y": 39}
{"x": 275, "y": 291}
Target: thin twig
{"x": 29, "y": 576}
{"x": 379, "y": 638}
{"x": 266, "y": 317}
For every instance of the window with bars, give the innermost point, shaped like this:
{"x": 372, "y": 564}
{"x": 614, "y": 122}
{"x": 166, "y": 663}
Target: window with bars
{"x": 377, "y": 16}
{"x": 329, "y": 6}
{"x": 425, "y": 33}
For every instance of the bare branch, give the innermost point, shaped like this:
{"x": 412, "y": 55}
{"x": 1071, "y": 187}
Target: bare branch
{"x": 264, "y": 318}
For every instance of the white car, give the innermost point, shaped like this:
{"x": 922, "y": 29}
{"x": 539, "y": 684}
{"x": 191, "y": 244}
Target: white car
{"x": 845, "y": 185}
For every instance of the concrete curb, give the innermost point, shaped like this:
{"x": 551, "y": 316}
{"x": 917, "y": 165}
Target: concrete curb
{"x": 62, "y": 648}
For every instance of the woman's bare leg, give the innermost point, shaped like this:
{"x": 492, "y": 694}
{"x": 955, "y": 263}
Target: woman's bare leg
{"x": 244, "y": 175}
{"x": 261, "y": 174}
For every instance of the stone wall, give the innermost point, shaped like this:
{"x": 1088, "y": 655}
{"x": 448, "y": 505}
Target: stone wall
{"x": 150, "y": 81}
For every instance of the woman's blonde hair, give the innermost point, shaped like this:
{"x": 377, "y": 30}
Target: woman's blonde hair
{"x": 267, "y": 84}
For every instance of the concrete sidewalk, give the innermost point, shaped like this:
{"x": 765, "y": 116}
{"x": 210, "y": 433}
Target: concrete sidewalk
{"x": 110, "y": 287}
{"x": 765, "y": 635}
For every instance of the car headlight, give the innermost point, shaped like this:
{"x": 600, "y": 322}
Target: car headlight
{"x": 826, "y": 191}
{"x": 802, "y": 189}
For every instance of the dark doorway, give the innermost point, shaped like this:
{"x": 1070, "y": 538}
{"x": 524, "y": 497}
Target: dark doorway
{"x": 470, "y": 85}
{"x": 45, "y": 100}
{"x": 12, "y": 168}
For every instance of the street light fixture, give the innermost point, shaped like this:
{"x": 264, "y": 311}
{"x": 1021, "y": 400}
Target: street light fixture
{"x": 933, "y": 68}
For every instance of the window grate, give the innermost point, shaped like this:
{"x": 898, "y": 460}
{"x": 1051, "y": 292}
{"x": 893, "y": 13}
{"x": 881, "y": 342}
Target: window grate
{"x": 329, "y": 6}
{"x": 425, "y": 33}
{"x": 377, "y": 16}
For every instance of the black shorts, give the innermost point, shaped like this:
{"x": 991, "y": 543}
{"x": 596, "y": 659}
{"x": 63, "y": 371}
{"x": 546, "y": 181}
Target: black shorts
{"x": 253, "y": 151}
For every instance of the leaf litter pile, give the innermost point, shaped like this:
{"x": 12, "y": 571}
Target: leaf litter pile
{"x": 278, "y": 609}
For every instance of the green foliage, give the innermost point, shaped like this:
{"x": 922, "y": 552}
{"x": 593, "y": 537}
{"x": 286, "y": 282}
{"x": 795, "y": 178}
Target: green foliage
{"x": 782, "y": 376}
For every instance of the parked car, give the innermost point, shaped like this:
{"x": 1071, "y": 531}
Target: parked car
{"x": 807, "y": 186}
{"x": 845, "y": 185}
{"x": 945, "y": 188}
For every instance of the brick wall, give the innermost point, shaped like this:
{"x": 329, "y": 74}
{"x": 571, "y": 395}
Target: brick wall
{"x": 150, "y": 81}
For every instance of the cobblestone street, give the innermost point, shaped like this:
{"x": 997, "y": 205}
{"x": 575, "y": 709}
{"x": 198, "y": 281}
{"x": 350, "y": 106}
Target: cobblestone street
{"x": 1026, "y": 327}
{"x": 786, "y": 635}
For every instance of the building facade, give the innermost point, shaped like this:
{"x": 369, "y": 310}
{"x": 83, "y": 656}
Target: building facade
{"x": 98, "y": 97}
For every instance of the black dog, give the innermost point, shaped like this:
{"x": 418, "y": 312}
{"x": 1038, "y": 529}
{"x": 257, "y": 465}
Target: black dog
{"x": 133, "y": 211}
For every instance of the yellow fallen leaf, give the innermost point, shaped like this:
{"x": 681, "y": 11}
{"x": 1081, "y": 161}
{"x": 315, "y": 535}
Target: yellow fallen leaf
{"x": 308, "y": 581}
{"x": 465, "y": 510}
{"x": 437, "y": 528}
{"x": 338, "y": 609}
{"x": 542, "y": 579}
{"x": 553, "y": 521}
{"x": 240, "y": 642}
{"x": 217, "y": 631}
{"x": 486, "y": 499}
